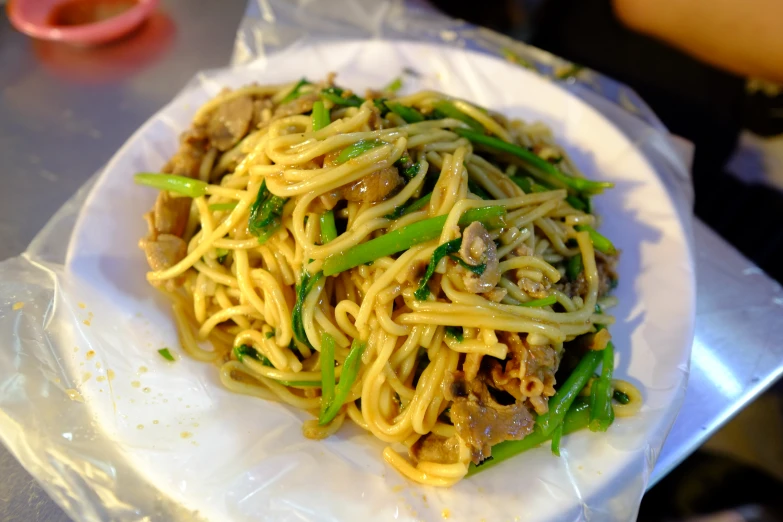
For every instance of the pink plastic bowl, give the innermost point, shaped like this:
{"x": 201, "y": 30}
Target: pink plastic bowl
{"x": 33, "y": 17}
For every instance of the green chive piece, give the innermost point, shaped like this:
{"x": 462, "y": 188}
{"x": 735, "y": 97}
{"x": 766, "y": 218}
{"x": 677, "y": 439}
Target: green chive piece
{"x": 621, "y": 397}
{"x": 394, "y": 86}
{"x": 190, "y": 187}
{"x": 601, "y": 411}
{"x": 357, "y": 149}
{"x": 305, "y": 286}
{"x": 574, "y": 267}
{"x": 335, "y": 95}
{"x": 328, "y": 228}
{"x": 265, "y": 214}
{"x": 556, "y": 436}
{"x": 216, "y": 207}
{"x": 407, "y": 236}
{"x": 561, "y": 401}
{"x": 347, "y": 378}
{"x": 456, "y": 332}
{"x": 600, "y": 242}
{"x": 320, "y": 116}
{"x": 537, "y": 303}
{"x": 327, "y": 373}
{"x": 166, "y": 354}
{"x": 409, "y": 114}
{"x": 548, "y": 173}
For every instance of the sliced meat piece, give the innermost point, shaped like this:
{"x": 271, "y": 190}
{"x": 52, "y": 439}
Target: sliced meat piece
{"x": 477, "y": 249}
{"x": 300, "y": 105}
{"x": 435, "y": 448}
{"x": 262, "y": 111}
{"x": 373, "y": 187}
{"x": 165, "y": 251}
{"x": 230, "y": 122}
{"x": 187, "y": 160}
{"x": 480, "y": 421}
{"x": 171, "y": 214}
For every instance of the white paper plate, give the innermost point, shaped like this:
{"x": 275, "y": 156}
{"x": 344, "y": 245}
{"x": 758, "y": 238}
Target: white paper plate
{"x": 232, "y": 457}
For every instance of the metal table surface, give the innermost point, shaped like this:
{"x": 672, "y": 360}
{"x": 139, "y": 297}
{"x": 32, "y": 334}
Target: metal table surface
{"x": 64, "y": 112}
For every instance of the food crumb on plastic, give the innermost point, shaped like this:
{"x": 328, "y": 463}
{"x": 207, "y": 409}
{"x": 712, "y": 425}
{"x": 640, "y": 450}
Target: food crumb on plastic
{"x": 445, "y": 513}
{"x": 100, "y": 378}
{"x": 155, "y": 422}
{"x": 97, "y": 365}
{"x": 143, "y": 369}
{"x": 86, "y": 377}
{"x": 75, "y": 349}
{"x": 136, "y": 384}
{"x": 185, "y": 434}
{"x": 140, "y": 427}
{"x": 74, "y": 395}
{"x": 86, "y": 322}
{"x": 18, "y": 305}
{"x": 146, "y": 390}
{"x": 110, "y": 374}
{"x": 398, "y": 488}
{"x": 81, "y": 305}
{"x": 90, "y": 355}
{"x": 195, "y": 424}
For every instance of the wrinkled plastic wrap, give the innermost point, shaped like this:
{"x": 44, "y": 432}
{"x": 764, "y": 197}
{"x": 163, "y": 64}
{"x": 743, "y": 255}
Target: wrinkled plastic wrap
{"x": 113, "y": 432}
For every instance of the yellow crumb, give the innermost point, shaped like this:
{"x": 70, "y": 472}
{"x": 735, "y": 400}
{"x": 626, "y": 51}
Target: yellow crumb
{"x": 18, "y": 306}
{"x": 74, "y": 395}
{"x": 82, "y": 305}
{"x": 185, "y": 434}
{"x": 90, "y": 355}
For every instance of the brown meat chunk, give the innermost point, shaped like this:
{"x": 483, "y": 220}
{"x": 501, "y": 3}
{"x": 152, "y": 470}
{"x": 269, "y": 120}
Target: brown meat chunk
{"x": 480, "y": 421}
{"x": 435, "y": 448}
{"x": 165, "y": 251}
{"x": 478, "y": 248}
{"x": 373, "y": 187}
{"x": 187, "y": 160}
{"x": 171, "y": 214}
{"x": 230, "y": 122}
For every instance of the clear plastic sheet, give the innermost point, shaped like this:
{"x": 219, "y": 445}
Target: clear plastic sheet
{"x": 115, "y": 433}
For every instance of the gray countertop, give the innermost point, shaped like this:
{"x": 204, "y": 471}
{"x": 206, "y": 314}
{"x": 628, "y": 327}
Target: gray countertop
{"x": 65, "y": 111}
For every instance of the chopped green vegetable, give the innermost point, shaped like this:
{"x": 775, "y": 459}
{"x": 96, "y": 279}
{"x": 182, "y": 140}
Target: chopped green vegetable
{"x": 327, "y": 374}
{"x": 455, "y": 332}
{"x": 335, "y": 95}
{"x": 166, "y": 354}
{"x": 570, "y": 72}
{"x": 215, "y": 207}
{"x": 418, "y": 204}
{"x": 601, "y": 411}
{"x": 357, "y": 149}
{"x": 523, "y": 183}
{"x": 477, "y": 269}
{"x": 407, "y": 236}
{"x": 269, "y": 335}
{"x": 222, "y": 254}
{"x": 394, "y": 86}
{"x": 409, "y": 114}
{"x": 347, "y": 378}
{"x": 600, "y": 242}
{"x": 248, "y": 351}
{"x": 442, "y": 251}
{"x": 556, "y": 436}
{"x": 328, "y": 228}
{"x": 476, "y": 189}
{"x": 301, "y": 384}
{"x": 448, "y": 110}
{"x": 190, "y": 187}
{"x": 537, "y": 303}
{"x": 561, "y": 401}
{"x": 320, "y": 116}
{"x": 574, "y": 267}
{"x": 576, "y": 418}
{"x": 295, "y": 92}
{"x": 621, "y": 397}
{"x": 548, "y": 173}
{"x": 410, "y": 172}
{"x": 579, "y": 202}
{"x": 304, "y": 287}
{"x": 265, "y": 214}
{"x": 513, "y": 57}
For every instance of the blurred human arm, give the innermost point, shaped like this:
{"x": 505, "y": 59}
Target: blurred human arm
{"x": 742, "y": 36}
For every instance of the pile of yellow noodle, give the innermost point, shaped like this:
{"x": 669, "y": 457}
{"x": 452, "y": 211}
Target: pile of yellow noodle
{"x": 248, "y": 299}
